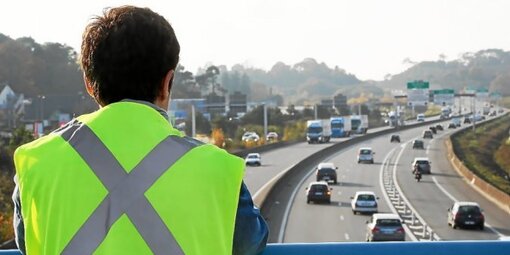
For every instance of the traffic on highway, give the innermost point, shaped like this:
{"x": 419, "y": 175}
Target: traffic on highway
{"x": 385, "y": 192}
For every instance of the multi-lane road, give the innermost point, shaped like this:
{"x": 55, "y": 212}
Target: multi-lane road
{"x": 429, "y": 199}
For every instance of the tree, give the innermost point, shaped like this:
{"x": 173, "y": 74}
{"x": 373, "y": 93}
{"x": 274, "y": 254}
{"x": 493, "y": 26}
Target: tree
{"x": 256, "y": 116}
{"x": 184, "y": 85}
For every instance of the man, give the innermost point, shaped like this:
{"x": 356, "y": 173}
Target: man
{"x": 122, "y": 180}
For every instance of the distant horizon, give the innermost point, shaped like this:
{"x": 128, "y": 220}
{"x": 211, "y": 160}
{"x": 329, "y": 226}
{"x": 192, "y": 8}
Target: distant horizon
{"x": 367, "y": 38}
{"x": 411, "y": 62}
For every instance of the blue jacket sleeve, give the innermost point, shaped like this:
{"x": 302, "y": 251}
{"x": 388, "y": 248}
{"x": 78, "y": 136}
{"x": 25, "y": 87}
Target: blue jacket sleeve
{"x": 251, "y": 231}
{"x": 19, "y": 228}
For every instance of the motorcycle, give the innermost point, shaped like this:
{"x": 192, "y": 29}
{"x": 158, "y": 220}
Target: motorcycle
{"x": 417, "y": 176}
{"x": 417, "y": 173}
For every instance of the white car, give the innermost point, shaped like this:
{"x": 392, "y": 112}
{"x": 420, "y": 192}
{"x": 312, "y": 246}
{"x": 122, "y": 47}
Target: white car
{"x": 364, "y": 202}
{"x": 365, "y": 154}
{"x": 250, "y": 136}
{"x": 253, "y": 159}
{"x": 420, "y": 117}
{"x": 272, "y": 136}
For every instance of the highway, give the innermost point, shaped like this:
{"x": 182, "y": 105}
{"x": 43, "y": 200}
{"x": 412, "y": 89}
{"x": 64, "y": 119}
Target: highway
{"x": 278, "y": 160}
{"x": 430, "y": 198}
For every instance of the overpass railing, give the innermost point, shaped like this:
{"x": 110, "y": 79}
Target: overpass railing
{"x": 494, "y": 247}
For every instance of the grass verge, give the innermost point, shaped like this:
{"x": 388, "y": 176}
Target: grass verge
{"x": 484, "y": 151}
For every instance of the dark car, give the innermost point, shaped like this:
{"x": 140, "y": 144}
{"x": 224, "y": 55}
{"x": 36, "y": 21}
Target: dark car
{"x": 385, "y": 227}
{"x": 395, "y": 138}
{"x": 439, "y": 127}
{"x": 466, "y": 214}
{"x": 452, "y": 125}
{"x": 427, "y": 134}
{"x": 433, "y": 129}
{"x": 326, "y": 172}
{"x": 467, "y": 120}
{"x": 418, "y": 144}
{"x": 318, "y": 192}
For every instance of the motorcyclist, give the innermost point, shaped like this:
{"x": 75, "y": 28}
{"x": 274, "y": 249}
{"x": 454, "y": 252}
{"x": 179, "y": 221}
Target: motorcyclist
{"x": 417, "y": 172}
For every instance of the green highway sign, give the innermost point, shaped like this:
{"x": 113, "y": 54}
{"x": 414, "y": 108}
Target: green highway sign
{"x": 418, "y": 85}
{"x": 443, "y": 91}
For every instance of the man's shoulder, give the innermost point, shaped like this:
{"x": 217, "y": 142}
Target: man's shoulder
{"x": 210, "y": 151}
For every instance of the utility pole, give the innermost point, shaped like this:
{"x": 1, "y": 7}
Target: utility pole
{"x": 315, "y": 111}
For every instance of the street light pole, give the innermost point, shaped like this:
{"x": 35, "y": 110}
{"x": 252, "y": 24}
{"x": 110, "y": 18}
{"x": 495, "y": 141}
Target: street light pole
{"x": 193, "y": 121}
{"x": 265, "y": 121}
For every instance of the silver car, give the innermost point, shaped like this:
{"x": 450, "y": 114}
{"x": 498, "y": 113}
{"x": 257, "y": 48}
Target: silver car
{"x": 385, "y": 227}
{"x": 366, "y": 154}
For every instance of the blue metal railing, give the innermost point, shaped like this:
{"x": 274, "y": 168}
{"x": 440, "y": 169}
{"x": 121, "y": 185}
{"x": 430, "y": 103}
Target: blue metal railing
{"x": 412, "y": 248}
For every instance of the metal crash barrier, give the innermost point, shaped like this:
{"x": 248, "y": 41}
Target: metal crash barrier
{"x": 352, "y": 248}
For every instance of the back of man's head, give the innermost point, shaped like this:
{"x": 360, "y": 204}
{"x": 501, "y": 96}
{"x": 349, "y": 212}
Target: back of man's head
{"x": 126, "y": 52}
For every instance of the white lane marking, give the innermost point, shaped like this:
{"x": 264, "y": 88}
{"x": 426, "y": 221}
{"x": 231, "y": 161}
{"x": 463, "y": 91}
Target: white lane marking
{"x": 455, "y": 200}
{"x": 341, "y": 217}
{"x": 347, "y": 236}
{"x": 385, "y": 163}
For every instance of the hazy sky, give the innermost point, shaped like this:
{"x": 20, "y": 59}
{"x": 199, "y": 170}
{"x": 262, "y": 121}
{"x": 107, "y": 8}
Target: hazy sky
{"x": 368, "y": 38}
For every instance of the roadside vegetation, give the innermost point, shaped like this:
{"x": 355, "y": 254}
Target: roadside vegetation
{"x": 486, "y": 152}
{"x": 7, "y": 147}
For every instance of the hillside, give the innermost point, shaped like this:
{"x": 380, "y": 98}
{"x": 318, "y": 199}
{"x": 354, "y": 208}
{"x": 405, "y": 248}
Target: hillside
{"x": 484, "y": 69}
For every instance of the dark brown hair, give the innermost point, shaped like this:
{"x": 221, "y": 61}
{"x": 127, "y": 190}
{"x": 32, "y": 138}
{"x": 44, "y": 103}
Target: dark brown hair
{"x": 127, "y": 52}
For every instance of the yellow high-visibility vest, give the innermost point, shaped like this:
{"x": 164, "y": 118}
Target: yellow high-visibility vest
{"x": 121, "y": 180}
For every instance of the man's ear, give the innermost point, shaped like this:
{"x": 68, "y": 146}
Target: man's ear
{"x": 88, "y": 87}
{"x": 166, "y": 85}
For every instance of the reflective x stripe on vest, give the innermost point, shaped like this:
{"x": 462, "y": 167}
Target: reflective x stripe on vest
{"x": 125, "y": 191}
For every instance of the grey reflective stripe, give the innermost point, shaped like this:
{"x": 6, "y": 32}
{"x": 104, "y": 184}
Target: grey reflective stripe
{"x": 125, "y": 191}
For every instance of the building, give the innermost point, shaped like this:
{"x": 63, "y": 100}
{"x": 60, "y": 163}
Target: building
{"x": 238, "y": 103}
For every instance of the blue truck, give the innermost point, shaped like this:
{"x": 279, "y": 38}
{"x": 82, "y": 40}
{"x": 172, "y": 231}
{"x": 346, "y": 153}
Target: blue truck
{"x": 318, "y": 131}
{"x": 340, "y": 126}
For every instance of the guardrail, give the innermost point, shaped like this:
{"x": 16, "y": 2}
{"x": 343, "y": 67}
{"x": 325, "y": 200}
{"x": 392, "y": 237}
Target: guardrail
{"x": 410, "y": 248}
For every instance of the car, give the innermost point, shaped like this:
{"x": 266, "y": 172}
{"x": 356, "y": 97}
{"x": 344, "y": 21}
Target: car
{"x": 418, "y": 144}
{"x": 439, "y": 127}
{"x": 427, "y": 134}
{"x": 452, "y": 125}
{"x": 420, "y": 117}
{"x": 318, "y": 192}
{"x": 493, "y": 113}
{"x": 467, "y": 120}
{"x": 395, "y": 138}
{"x": 253, "y": 159}
{"x": 272, "y": 137}
{"x": 500, "y": 110}
{"x": 433, "y": 129}
{"x": 364, "y": 202}
{"x": 385, "y": 227}
{"x": 365, "y": 154}
{"x": 250, "y": 136}
{"x": 423, "y": 164}
{"x": 466, "y": 214}
{"x": 326, "y": 172}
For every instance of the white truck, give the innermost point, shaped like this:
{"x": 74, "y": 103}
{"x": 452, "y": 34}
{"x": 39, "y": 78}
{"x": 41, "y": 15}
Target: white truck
{"x": 318, "y": 131}
{"x": 359, "y": 124}
{"x": 395, "y": 119}
{"x": 445, "y": 113}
